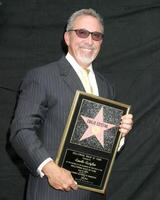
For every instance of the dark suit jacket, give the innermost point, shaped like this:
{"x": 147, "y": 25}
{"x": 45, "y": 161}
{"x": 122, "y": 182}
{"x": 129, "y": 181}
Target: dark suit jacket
{"x": 45, "y": 98}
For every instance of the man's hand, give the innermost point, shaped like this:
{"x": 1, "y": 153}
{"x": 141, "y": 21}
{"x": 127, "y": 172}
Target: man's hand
{"x": 126, "y": 124}
{"x": 58, "y": 177}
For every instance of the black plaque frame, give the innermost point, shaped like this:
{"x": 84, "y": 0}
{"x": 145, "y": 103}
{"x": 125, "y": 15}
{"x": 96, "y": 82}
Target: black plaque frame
{"x": 90, "y": 160}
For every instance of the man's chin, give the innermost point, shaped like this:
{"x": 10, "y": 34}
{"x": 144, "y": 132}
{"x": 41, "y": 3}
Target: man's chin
{"x": 86, "y": 61}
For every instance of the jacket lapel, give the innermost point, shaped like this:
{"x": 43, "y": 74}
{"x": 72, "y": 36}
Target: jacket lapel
{"x": 104, "y": 87}
{"x": 69, "y": 75}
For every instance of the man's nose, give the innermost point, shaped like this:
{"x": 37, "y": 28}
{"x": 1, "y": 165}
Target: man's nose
{"x": 89, "y": 39}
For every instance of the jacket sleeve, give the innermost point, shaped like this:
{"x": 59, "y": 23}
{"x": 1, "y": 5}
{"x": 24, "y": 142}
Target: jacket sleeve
{"x": 28, "y": 118}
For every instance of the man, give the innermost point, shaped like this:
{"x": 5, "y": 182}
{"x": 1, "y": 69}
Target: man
{"x": 45, "y": 98}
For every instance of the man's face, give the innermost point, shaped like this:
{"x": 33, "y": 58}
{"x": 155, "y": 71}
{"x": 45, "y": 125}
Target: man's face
{"x": 84, "y": 50}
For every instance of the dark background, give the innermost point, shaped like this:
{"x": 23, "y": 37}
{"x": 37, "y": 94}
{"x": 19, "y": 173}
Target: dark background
{"x": 30, "y": 35}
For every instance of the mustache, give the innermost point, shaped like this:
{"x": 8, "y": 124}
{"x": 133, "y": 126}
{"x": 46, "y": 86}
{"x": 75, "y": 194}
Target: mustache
{"x": 87, "y": 46}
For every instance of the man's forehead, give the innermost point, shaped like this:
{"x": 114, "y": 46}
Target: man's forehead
{"x": 87, "y": 22}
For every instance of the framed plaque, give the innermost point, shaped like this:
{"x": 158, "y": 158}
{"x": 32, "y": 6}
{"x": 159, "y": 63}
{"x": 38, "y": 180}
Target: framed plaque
{"x": 91, "y": 139}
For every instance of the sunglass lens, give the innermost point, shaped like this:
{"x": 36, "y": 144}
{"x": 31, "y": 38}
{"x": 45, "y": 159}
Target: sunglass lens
{"x": 97, "y": 36}
{"x": 82, "y": 33}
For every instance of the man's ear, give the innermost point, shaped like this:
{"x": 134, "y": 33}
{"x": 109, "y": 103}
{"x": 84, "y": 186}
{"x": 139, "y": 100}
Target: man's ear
{"x": 66, "y": 38}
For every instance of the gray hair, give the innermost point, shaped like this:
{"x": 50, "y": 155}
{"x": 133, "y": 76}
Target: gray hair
{"x": 81, "y": 12}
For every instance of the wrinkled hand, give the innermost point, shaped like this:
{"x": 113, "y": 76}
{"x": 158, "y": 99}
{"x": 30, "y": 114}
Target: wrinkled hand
{"x": 126, "y": 124}
{"x": 58, "y": 177}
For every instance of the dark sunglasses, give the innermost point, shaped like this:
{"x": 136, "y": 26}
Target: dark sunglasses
{"x": 83, "y": 33}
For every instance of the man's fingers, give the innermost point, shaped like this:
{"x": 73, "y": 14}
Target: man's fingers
{"x": 74, "y": 185}
{"x": 126, "y": 124}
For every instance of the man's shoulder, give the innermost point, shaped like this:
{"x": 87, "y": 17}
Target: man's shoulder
{"x": 44, "y": 72}
{"x": 49, "y": 66}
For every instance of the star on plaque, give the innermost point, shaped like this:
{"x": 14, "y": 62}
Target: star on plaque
{"x": 96, "y": 127}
